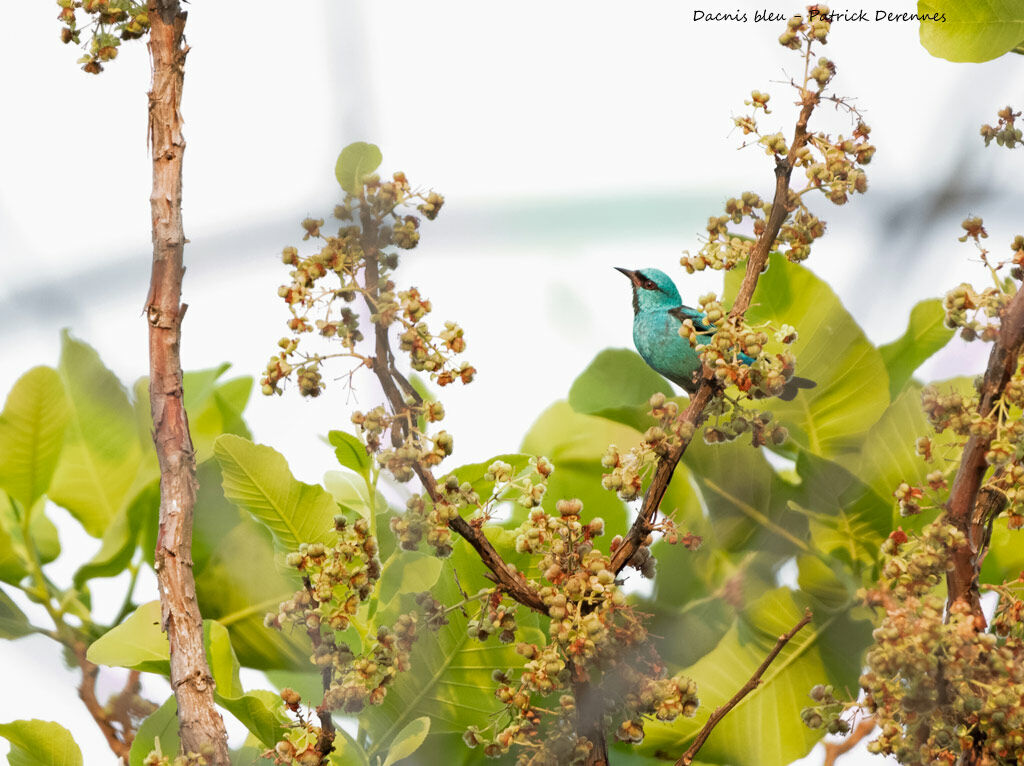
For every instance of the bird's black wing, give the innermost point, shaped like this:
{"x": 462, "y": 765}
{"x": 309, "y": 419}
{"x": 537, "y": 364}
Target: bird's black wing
{"x": 700, "y": 323}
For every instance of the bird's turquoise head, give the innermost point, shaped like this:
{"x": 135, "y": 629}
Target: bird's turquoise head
{"x": 653, "y": 289}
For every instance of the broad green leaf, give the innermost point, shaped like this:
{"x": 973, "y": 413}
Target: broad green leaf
{"x": 449, "y": 680}
{"x": 32, "y": 434}
{"x": 355, "y": 162}
{"x": 102, "y": 453}
{"x": 351, "y": 452}
{"x": 847, "y": 520}
{"x": 408, "y": 740}
{"x": 13, "y": 551}
{"x": 13, "y": 622}
{"x": 408, "y": 572}
{"x": 162, "y": 725}
{"x": 238, "y": 580}
{"x": 853, "y": 385}
{"x": 926, "y": 333}
{"x": 138, "y": 643}
{"x": 40, "y": 743}
{"x": 616, "y": 385}
{"x": 348, "y": 752}
{"x": 257, "y": 479}
{"x": 575, "y": 444}
{"x": 770, "y": 714}
{"x": 889, "y": 455}
{"x": 746, "y": 499}
{"x": 260, "y": 710}
{"x": 351, "y": 492}
{"x": 971, "y": 30}
{"x": 122, "y": 536}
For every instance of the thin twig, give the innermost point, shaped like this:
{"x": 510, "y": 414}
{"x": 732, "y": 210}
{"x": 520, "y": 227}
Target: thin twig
{"x": 87, "y": 693}
{"x": 749, "y": 686}
{"x": 835, "y": 749}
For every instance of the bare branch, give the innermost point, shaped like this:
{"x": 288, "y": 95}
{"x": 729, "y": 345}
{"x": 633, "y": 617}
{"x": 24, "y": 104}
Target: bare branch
{"x": 748, "y": 687}
{"x": 835, "y": 749}
{"x": 200, "y": 725}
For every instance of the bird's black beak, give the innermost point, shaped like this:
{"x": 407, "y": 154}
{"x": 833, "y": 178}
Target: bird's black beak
{"x": 633, "y": 276}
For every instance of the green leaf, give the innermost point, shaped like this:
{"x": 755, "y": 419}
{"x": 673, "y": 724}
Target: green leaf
{"x": 352, "y": 493}
{"x": 13, "y": 547}
{"x": 408, "y": 740}
{"x": 971, "y": 30}
{"x": 238, "y": 581}
{"x": 853, "y": 385}
{"x": 449, "y": 680}
{"x": 162, "y": 725}
{"x": 32, "y": 434}
{"x": 257, "y": 479}
{"x": 770, "y": 714}
{"x": 355, "y": 162}
{"x": 102, "y": 452}
{"x": 122, "y": 536}
{"x": 13, "y": 622}
{"x": 347, "y": 752}
{"x": 617, "y": 385}
{"x": 747, "y": 501}
{"x": 408, "y": 572}
{"x": 40, "y": 743}
{"x": 138, "y": 643}
{"x": 351, "y": 452}
{"x": 575, "y": 444}
{"x": 926, "y": 333}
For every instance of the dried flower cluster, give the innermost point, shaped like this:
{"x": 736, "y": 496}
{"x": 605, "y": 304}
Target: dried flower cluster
{"x": 110, "y": 22}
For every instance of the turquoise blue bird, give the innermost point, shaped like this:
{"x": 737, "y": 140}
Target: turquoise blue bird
{"x": 658, "y": 312}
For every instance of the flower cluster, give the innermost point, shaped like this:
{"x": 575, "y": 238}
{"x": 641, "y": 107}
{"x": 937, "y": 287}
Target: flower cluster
{"x": 112, "y": 21}
{"x": 938, "y": 684}
{"x": 629, "y": 470}
{"x": 337, "y": 579}
{"x": 1005, "y": 132}
{"x": 593, "y": 636}
{"x": 354, "y": 262}
{"x": 832, "y": 166}
{"x": 428, "y": 518}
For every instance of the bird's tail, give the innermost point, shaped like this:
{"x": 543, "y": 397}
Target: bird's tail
{"x": 793, "y": 386}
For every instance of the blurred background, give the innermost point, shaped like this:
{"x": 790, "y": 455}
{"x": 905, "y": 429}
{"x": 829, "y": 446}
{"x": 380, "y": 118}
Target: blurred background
{"x": 567, "y": 138}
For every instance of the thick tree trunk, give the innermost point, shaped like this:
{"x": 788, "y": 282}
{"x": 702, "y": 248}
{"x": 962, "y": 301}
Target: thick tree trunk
{"x": 201, "y": 726}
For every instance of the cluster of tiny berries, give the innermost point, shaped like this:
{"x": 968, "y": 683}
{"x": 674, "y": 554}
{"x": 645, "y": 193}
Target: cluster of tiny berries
{"x": 593, "y": 635}
{"x": 1005, "y": 131}
{"x": 832, "y": 166}
{"x": 112, "y": 21}
{"x": 429, "y": 518}
{"x": 356, "y": 261}
{"x": 337, "y": 579}
{"x": 937, "y": 683}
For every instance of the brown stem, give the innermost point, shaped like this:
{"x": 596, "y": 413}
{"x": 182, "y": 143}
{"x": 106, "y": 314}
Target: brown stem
{"x": 200, "y": 725}
{"x": 87, "y": 693}
{"x": 835, "y": 749}
{"x": 694, "y": 414}
{"x": 511, "y": 581}
{"x": 969, "y": 508}
{"x": 749, "y": 686}
{"x": 325, "y": 742}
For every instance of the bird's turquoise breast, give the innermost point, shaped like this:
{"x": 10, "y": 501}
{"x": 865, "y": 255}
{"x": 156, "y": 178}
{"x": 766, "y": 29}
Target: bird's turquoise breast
{"x": 656, "y": 336}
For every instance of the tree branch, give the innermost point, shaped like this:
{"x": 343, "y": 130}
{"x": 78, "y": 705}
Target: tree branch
{"x": 87, "y": 693}
{"x": 200, "y": 725}
{"x": 969, "y": 508}
{"x": 694, "y": 413}
{"x": 510, "y": 580}
{"x": 835, "y": 749}
{"x": 749, "y": 686}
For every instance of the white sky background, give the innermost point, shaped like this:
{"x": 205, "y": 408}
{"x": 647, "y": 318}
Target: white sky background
{"x": 566, "y": 137}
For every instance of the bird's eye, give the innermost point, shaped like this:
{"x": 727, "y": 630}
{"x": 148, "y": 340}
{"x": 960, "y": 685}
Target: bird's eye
{"x": 648, "y": 284}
